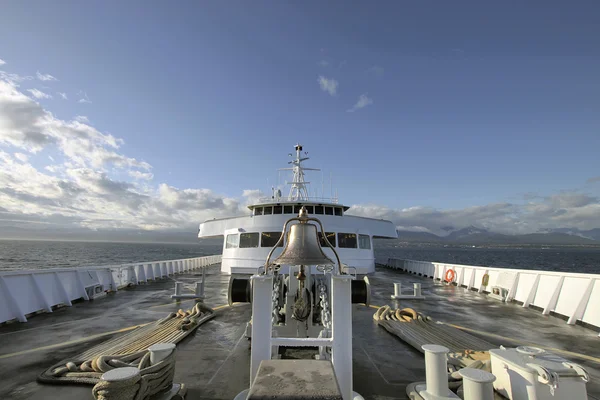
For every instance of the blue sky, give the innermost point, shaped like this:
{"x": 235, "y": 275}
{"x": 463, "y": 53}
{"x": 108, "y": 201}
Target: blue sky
{"x": 464, "y": 104}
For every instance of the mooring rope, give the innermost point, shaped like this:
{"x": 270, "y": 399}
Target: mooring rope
{"x": 130, "y": 350}
{"x": 417, "y": 330}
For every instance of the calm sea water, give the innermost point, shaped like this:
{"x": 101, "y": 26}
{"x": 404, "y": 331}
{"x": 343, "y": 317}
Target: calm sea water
{"x": 24, "y": 254}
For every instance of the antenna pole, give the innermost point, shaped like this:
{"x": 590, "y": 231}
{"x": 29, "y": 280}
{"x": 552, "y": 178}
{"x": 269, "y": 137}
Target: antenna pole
{"x": 331, "y": 184}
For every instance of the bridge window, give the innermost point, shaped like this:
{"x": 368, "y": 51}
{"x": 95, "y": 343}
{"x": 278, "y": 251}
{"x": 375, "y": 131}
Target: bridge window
{"x": 364, "y": 242}
{"x": 310, "y": 209}
{"x": 232, "y": 241}
{"x": 328, "y": 210}
{"x": 288, "y": 209}
{"x": 258, "y": 210}
{"x": 347, "y": 240}
{"x": 268, "y": 210}
{"x": 338, "y": 211}
{"x": 319, "y": 210}
{"x": 330, "y": 237}
{"x": 269, "y": 239}
{"x": 248, "y": 240}
{"x": 297, "y": 209}
{"x": 277, "y": 210}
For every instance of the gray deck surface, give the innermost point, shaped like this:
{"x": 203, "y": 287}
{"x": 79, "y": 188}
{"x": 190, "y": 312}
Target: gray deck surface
{"x": 214, "y": 361}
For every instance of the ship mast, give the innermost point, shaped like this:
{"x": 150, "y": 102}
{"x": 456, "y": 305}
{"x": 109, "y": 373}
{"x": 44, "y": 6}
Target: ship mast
{"x": 298, "y": 189}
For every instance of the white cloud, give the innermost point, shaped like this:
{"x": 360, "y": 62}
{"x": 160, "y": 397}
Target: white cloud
{"x": 38, "y": 94}
{"x": 376, "y": 70}
{"x": 83, "y": 98}
{"x": 83, "y": 191}
{"x": 562, "y": 210}
{"x": 14, "y": 78}
{"x": 328, "y": 85}
{"x": 45, "y": 77}
{"x": 362, "y": 102}
{"x": 141, "y": 175}
{"x": 324, "y": 63}
{"x": 26, "y": 125}
{"x": 21, "y": 157}
{"x": 62, "y": 95}
{"x": 2, "y": 62}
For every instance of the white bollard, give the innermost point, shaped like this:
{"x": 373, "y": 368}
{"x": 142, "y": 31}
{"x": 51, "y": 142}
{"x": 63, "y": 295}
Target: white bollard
{"x": 436, "y": 369}
{"x": 160, "y": 351}
{"x": 477, "y": 384}
{"x": 178, "y": 287}
{"x": 397, "y": 289}
{"x": 120, "y": 374}
{"x": 417, "y": 287}
{"x": 199, "y": 290}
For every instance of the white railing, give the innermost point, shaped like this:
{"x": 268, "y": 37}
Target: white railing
{"x": 23, "y": 292}
{"x": 571, "y": 295}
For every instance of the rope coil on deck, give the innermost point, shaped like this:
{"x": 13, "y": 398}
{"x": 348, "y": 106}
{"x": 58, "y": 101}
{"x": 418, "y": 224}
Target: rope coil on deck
{"x": 417, "y": 330}
{"x": 130, "y": 350}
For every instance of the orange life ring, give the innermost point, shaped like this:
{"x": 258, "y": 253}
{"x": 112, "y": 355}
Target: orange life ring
{"x": 450, "y": 275}
{"x": 485, "y": 280}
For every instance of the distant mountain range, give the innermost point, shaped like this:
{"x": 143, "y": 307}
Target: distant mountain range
{"x": 473, "y": 235}
{"x": 469, "y": 235}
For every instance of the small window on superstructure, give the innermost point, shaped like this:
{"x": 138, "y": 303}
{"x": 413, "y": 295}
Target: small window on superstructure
{"x": 277, "y": 210}
{"x": 297, "y": 209}
{"x": 347, "y": 240}
{"x": 328, "y": 210}
{"x": 258, "y": 210}
{"x": 364, "y": 242}
{"x": 269, "y": 239}
{"x": 288, "y": 209}
{"x": 310, "y": 209}
{"x": 268, "y": 210}
{"x": 248, "y": 240}
{"x": 330, "y": 237}
{"x": 232, "y": 241}
{"x": 319, "y": 210}
{"x": 338, "y": 211}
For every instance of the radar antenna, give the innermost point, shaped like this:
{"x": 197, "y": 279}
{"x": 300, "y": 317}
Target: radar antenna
{"x": 298, "y": 190}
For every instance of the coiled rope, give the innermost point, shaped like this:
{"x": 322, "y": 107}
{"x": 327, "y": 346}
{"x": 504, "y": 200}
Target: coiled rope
{"x": 417, "y": 330}
{"x": 130, "y": 350}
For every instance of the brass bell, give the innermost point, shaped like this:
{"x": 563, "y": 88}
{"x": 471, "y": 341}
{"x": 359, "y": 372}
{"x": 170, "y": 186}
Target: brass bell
{"x": 303, "y": 247}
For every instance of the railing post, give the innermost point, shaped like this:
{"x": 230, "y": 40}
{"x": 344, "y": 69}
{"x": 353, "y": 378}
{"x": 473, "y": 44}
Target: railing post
{"x": 40, "y": 294}
{"x": 62, "y": 290}
{"x": 150, "y": 271}
{"x": 532, "y": 292}
{"x": 341, "y": 331}
{"x": 554, "y": 298}
{"x": 141, "y": 273}
{"x": 581, "y": 305}
{"x": 82, "y": 290}
{"x": 262, "y": 288}
{"x": 14, "y": 305}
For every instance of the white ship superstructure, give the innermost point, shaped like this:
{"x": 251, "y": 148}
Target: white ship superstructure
{"x": 248, "y": 239}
